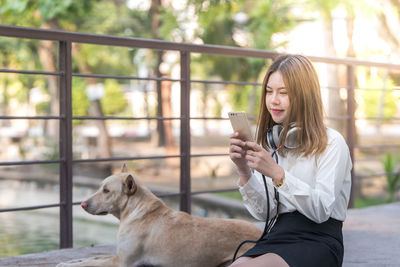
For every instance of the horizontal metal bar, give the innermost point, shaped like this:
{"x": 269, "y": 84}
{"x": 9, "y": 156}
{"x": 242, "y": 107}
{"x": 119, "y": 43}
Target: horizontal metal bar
{"x": 123, "y": 118}
{"x": 101, "y": 76}
{"x": 377, "y": 89}
{"x": 161, "y": 195}
{"x": 337, "y": 118}
{"x": 376, "y": 175}
{"x": 209, "y": 118}
{"x": 31, "y": 117}
{"x": 28, "y": 162}
{"x": 124, "y": 158}
{"x": 225, "y": 82}
{"x": 354, "y": 62}
{"x": 31, "y": 72}
{"x": 250, "y": 118}
{"x": 358, "y": 88}
{"x": 57, "y": 35}
{"x": 209, "y": 155}
{"x": 379, "y": 118}
{"x": 377, "y": 146}
{"x": 31, "y": 207}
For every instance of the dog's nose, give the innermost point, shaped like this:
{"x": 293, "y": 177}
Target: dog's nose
{"x": 84, "y": 205}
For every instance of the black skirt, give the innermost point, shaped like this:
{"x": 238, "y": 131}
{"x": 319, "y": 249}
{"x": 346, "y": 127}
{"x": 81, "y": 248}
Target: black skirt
{"x": 302, "y": 242}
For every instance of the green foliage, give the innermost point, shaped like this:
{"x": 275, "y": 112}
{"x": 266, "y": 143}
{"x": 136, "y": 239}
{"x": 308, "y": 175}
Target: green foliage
{"x": 239, "y": 97}
{"x": 106, "y": 60}
{"x": 218, "y": 24}
{"x": 80, "y": 100}
{"x": 169, "y": 23}
{"x": 280, "y": 19}
{"x": 34, "y": 13}
{"x": 390, "y": 163}
{"x": 367, "y": 202}
{"x": 114, "y": 101}
{"x": 372, "y": 97}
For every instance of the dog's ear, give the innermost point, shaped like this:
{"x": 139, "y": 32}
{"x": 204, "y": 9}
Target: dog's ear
{"x": 124, "y": 168}
{"x": 130, "y": 186}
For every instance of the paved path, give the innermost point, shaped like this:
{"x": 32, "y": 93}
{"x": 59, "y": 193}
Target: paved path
{"x": 371, "y": 238}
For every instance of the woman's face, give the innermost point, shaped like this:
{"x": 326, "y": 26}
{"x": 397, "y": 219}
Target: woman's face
{"x": 277, "y": 98}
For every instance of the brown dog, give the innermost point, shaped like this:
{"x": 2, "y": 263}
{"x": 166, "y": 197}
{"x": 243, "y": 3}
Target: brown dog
{"x": 151, "y": 234}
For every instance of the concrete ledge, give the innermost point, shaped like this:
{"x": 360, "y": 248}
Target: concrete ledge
{"x": 371, "y": 238}
{"x": 52, "y": 258}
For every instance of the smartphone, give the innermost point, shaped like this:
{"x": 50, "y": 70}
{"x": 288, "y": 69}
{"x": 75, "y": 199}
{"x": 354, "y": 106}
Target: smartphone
{"x": 240, "y": 124}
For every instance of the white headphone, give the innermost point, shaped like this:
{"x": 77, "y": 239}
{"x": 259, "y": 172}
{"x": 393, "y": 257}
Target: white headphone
{"x": 274, "y": 136}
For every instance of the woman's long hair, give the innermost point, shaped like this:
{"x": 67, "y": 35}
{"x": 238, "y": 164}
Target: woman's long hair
{"x": 306, "y": 108}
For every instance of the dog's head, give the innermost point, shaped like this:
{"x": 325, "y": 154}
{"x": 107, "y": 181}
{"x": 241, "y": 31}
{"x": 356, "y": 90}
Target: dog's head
{"x": 112, "y": 195}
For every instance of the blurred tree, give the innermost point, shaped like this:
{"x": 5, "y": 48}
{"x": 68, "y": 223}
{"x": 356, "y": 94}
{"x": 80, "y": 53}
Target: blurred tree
{"x": 389, "y": 20}
{"x": 336, "y": 106}
{"x": 157, "y": 21}
{"x": 73, "y": 15}
{"x": 240, "y": 23}
{"x": 46, "y": 14}
{"x": 388, "y": 14}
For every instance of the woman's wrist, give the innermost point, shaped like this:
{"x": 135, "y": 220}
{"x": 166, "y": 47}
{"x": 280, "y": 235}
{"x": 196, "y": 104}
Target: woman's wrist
{"x": 244, "y": 176}
{"x": 279, "y": 176}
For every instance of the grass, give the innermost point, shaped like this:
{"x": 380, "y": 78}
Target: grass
{"x": 233, "y": 194}
{"x": 367, "y": 202}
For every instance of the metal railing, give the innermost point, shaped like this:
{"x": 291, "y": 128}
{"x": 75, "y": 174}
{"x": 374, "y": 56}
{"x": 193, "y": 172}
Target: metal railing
{"x": 65, "y": 118}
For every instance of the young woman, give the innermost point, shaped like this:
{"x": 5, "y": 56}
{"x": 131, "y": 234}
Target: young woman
{"x": 306, "y": 163}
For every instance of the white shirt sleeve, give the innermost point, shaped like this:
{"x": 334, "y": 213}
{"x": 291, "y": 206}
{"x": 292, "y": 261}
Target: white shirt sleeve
{"x": 255, "y": 199}
{"x": 317, "y": 201}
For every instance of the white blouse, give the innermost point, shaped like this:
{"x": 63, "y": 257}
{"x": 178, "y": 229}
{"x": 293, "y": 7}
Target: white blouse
{"x": 319, "y": 189}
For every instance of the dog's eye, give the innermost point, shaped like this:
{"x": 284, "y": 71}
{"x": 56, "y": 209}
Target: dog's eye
{"x": 105, "y": 190}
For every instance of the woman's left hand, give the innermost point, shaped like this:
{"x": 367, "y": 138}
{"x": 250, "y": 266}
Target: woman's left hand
{"x": 259, "y": 159}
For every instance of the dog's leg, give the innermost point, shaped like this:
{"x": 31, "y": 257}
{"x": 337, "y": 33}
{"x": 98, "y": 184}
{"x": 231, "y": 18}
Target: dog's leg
{"x": 104, "y": 261}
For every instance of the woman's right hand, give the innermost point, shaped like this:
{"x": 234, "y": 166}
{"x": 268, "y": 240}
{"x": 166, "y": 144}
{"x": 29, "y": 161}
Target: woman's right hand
{"x": 237, "y": 153}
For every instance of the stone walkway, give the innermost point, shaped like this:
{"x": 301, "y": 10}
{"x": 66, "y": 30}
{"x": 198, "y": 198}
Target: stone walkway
{"x": 371, "y": 239}
{"x": 372, "y": 236}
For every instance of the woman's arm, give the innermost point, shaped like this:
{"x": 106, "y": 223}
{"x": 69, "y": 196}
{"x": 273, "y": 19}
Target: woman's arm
{"x": 255, "y": 199}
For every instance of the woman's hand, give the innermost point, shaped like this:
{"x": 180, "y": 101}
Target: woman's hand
{"x": 237, "y": 153}
{"x": 259, "y": 159}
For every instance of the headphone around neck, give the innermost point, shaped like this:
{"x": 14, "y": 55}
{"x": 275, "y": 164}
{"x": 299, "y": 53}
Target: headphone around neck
{"x": 274, "y": 136}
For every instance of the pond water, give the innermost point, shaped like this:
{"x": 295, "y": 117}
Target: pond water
{"x": 23, "y": 232}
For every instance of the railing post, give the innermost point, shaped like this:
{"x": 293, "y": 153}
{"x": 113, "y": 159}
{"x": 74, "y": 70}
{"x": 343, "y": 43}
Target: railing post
{"x": 351, "y": 129}
{"x": 65, "y": 140}
{"x": 185, "y": 189}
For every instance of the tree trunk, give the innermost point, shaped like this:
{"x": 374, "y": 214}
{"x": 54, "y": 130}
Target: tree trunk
{"x": 356, "y": 184}
{"x": 336, "y": 107}
{"x": 204, "y": 109}
{"x": 5, "y": 102}
{"x": 167, "y": 112}
{"x": 95, "y": 109}
{"x": 155, "y": 25}
{"x": 47, "y": 52}
{"x": 160, "y": 108}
